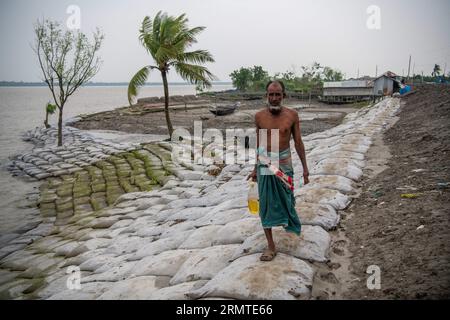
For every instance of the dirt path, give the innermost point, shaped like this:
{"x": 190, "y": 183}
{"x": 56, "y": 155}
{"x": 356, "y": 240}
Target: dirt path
{"x": 407, "y": 238}
{"x": 325, "y": 117}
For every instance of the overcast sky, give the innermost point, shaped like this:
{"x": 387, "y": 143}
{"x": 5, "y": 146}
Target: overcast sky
{"x": 278, "y": 35}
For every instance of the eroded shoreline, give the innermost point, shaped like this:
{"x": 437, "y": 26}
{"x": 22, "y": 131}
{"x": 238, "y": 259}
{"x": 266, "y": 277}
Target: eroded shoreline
{"x": 146, "y": 245}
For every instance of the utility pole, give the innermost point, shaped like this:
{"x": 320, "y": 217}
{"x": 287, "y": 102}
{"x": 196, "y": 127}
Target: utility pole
{"x": 445, "y": 68}
{"x": 357, "y": 74}
{"x": 309, "y": 104}
{"x": 422, "y": 76}
{"x": 409, "y": 66}
{"x": 376, "y": 71}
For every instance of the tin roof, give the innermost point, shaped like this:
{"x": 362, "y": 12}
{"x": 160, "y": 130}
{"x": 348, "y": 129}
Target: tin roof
{"x": 346, "y": 84}
{"x": 388, "y": 74}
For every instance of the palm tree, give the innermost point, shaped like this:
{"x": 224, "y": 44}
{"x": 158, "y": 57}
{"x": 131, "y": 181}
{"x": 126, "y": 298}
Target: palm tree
{"x": 167, "y": 38}
{"x": 436, "y": 70}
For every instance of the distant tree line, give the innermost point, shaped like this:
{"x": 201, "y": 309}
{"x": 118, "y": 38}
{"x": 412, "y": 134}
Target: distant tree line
{"x": 434, "y": 77}
{"x": 255, "y": 78}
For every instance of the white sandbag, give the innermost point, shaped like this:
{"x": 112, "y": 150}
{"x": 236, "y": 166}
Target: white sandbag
{"x": 322, "y": 215}
{"x": 222, "y": 217}
{"x": 312, "y": 244}
{"x": 125, "y": 243}
{"x": 355, "y": 138}
{"x": 336, "y": 155}
{"x": 339, "y": 183}
{"x": 191, "y": 213}
{"x": 200, "y": 238}
{"x": 204, "y": 201}
{"x": 139, "y": 288}
{"x": 334, "y": 198}
{"x": 177, "y": 292}
{"x": 164, "y": 264}
{"x": 339, "y": 147}
{"x": 150, "y": 230}
{"x": 89, "y": 245}
{"x": 97, "y": 261}
{"x": 66, "y": 248}
{"x": 175, "y": 227}
{"x": 237, "y": 231}
{"x": 340, "y": 167}
{"x": 284, "y": 278}
{"x": 160, "y": 245}
{"x": 204, "y": 264}
{"x": 358, "y": 158}
{"x": 88, "y": 291}
{"x": 110, "y": 272}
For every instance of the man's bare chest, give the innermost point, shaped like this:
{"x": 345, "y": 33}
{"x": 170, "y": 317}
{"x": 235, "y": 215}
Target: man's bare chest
{"x": 270, "y": 124}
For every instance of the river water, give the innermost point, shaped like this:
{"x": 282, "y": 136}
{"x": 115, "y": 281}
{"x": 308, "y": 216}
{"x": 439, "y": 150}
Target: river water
{"x": 23, "y": 108}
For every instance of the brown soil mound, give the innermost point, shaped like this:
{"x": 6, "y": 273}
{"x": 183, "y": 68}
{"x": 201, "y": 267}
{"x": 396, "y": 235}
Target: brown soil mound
{"x": 408, "y": 238}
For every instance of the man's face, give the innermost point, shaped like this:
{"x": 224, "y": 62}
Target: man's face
{"x": 274, "y": 97}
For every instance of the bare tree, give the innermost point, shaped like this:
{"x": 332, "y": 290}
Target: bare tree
{"x": 67, "y": 60}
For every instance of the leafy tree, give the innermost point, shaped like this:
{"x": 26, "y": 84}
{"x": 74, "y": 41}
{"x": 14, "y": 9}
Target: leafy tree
{"x": 436, "y": 70}
{"x": 242, "y": 79}
{"x": 260, "y": 77}
{"x": 329, "y": 74}
{"x": 49, "y": 109}
{"x": 167, "y": 40}
{"x": 258, "y": 73}
{"x": 312, "y": 76}
{"x": 289, "y": 79}
{"x": 67, "y": 60}
{"x": 254, "y": 78}
{"x": 313, "y": 72}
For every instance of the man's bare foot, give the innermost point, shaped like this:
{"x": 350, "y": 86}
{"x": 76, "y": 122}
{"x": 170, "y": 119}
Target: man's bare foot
{"x": 268, "y": 255}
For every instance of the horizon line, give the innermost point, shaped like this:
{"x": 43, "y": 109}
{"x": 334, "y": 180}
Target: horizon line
{"x": 99, "y": 83}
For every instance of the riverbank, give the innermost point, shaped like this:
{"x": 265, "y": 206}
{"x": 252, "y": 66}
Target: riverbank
{"x": 192, "y": 237}
{"x": 23, "y": 109}
{"x": 149, "y": 118}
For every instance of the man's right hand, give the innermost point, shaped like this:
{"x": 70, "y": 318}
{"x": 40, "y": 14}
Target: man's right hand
{"x": 252, "y": 176}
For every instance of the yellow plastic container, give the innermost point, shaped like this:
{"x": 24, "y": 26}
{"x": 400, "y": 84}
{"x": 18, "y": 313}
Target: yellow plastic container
{"x": 253, "y": 206}
{"x": 253, "y": 198}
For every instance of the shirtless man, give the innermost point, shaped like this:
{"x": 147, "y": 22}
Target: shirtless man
{"x": 276, "y": 201}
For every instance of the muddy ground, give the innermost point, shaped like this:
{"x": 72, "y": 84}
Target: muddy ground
{"x": 407, "y": 238}
{"x": 139, "y": 120}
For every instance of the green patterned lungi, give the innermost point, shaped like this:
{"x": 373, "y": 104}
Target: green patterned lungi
{"x": 276, "y": 200}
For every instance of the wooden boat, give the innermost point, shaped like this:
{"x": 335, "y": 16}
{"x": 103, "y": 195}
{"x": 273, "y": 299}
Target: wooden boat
{"x": 224, "y": 109}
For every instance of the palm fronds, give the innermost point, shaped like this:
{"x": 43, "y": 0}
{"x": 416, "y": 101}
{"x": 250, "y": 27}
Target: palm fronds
{"x": 137, "y": 81}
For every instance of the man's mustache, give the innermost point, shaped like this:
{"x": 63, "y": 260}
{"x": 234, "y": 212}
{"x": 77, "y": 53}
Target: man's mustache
{"x": 273, "y": 105}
